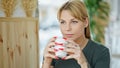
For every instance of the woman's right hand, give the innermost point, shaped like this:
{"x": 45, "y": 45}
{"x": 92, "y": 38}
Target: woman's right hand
{"x": 49, "y": 52}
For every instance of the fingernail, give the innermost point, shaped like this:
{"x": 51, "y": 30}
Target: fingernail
{"x": 63, "y": 58}
{"x": 61, "y": 49}
{"x": 55, "y": 50}
{"x": 56, "y": 58}
{"x": 55, "y": 37}
{"x": 64, "y": 38}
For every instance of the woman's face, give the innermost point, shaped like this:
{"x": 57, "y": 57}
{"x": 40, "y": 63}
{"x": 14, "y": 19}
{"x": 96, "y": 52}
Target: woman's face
{"x": 71, "y": 27}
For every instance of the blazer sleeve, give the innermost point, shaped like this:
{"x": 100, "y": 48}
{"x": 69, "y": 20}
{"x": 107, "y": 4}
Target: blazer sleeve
{"x": 103, "y": 59}
{"x": 53, "y": 62}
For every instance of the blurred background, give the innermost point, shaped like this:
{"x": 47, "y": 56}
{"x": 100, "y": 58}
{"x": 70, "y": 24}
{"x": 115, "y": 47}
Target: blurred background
{"x": 104, "y": 24}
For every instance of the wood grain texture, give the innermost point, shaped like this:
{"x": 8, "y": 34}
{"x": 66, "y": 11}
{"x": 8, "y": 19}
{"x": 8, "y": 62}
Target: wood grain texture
{"x": 19, "y": 43}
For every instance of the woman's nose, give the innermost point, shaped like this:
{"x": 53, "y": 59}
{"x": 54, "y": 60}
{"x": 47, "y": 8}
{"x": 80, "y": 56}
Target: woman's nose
{"x": 68, "y": 27}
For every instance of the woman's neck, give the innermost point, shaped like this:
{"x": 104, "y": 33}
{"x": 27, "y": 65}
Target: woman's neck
{"x": 82, "y": 42}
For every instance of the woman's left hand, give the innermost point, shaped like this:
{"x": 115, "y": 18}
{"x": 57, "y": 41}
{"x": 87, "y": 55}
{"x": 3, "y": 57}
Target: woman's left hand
{"x": 74, "y": 51}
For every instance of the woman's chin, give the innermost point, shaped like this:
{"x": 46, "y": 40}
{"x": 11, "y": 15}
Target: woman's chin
{"x": 70, "y": 38}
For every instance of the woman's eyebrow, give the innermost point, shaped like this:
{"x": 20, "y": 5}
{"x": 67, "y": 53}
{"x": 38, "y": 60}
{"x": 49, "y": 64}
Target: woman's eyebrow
{"x": 70, "y": 19}
{"x": 60, "y": 19}
{"x": 73, "y": 19}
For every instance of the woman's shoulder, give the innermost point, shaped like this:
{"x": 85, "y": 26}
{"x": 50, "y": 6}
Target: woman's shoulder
{"x": 97, "y": 46}
{"x": 100, "y": 52}
{"x": 98, "y": 49}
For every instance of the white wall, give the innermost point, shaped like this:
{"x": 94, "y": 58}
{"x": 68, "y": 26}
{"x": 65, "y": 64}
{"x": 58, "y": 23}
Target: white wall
{"x": 112, "y": 34}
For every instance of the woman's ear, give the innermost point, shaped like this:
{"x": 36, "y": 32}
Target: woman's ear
{"x": 86, "y": 23}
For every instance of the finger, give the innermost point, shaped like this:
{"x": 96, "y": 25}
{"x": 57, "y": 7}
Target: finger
{"x": 71, "y": 51}
{"x": 51, "y": 50}
{"x": 72, "y": 43}
{"x": 71, "y": 46}
{"x": 50, "y": 55}
{"x": 69, "y": 57}
{"x": 53, "y": 39}
{"x": 50, "y": 45}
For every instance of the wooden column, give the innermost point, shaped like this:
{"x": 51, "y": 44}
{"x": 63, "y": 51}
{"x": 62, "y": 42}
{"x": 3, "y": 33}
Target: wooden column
{"x": 19, "y": 43}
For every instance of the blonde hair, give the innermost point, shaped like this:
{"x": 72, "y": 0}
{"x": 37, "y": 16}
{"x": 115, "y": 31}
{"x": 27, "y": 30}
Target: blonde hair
{"x": 78, "y": 10}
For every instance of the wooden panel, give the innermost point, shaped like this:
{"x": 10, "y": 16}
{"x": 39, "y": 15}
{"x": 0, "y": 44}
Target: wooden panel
{"x": 1, "y": 48}
{"x": 19, "y": 43}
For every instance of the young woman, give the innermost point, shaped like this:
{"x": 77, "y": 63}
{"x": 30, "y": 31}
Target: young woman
{"x": 82, "y": 51}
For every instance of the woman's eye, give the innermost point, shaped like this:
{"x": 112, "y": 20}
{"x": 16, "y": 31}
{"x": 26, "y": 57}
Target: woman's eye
{"x": 62, "y": 22}
{"x": 74, "y": 22}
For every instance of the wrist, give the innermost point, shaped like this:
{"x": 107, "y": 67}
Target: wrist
{"x": 47, "y": 61}
{"x": 84, "y": 65}
{"x": 46, "y": 64}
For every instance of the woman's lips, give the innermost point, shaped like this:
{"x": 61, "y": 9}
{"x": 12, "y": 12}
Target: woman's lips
{"x": 69, "y": 35}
